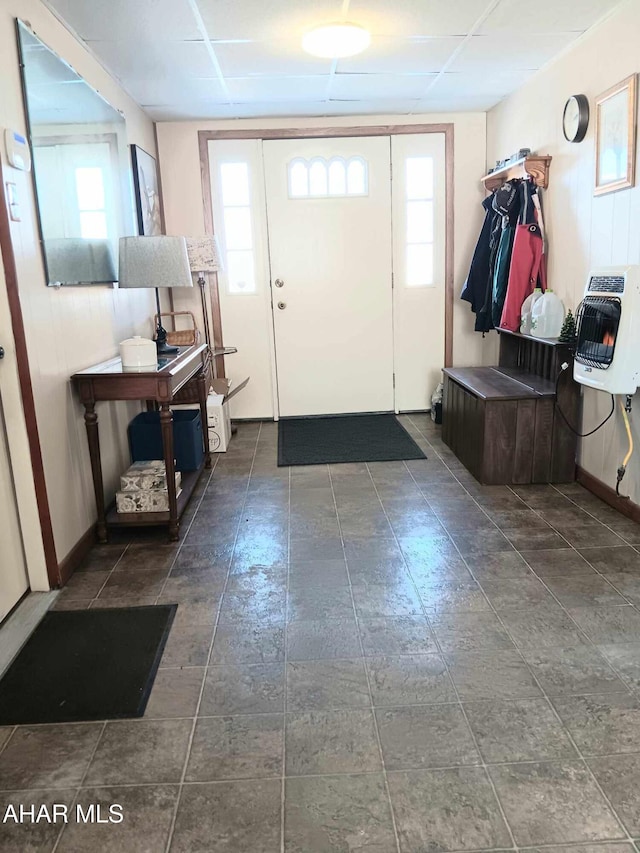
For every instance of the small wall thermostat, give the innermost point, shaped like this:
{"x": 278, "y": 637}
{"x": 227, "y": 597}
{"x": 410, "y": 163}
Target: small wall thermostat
{"x": 17, "y": 147}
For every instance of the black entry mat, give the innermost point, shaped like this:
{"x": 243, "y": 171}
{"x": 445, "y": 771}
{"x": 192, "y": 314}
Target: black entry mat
{"x": 86, "y": 665}
{"x": 344, "y": 438}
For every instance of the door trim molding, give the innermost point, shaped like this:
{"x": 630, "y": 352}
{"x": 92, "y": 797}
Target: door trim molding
{"x": 205, "y": 136}
{"x": 26, "y": 391}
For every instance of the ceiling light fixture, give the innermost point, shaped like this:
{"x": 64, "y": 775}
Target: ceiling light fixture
{"x": 335, "y": 41}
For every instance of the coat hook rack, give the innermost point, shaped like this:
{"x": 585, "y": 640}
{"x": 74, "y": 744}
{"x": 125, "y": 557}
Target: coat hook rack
{"x": 535, "y": 166}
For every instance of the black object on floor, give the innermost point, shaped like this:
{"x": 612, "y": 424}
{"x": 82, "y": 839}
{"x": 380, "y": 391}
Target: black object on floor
{"x": 86, "y": 665}
{"x": 344, "y": 438}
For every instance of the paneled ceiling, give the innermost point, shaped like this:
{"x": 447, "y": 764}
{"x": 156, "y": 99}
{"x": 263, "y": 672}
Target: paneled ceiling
{"x": 198, "y": 59}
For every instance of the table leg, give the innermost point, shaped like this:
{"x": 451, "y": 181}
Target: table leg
{"x": 203, "y": 388}
{"x": 166, "y": 425}
{"x": 91, "y": 424}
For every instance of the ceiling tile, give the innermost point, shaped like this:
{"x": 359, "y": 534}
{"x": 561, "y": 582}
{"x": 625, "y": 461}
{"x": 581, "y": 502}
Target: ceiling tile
{"x": 243, "y": 59}
{"x": 461, "y": 103}
{"x": 158, "y": 59}
{"x": 263, "y": 20}
{"x": 546, "y": 16}
{"x": 495, "y": 84}
{"x": 417, "y": 17}
{"x": 487, "y": 53}
{"x": 276, "y": 89}
{"x": 158, "y": 92}
{"x": 358, "y": 87}
{"x": 372, "y": 106}
{"x": 132, "y": 20}
{"x": 401, "y": 56}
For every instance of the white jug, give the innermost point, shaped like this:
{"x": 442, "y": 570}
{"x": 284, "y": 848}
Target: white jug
{"x": 527, "y": 307}
{"x": 547, "y": 316}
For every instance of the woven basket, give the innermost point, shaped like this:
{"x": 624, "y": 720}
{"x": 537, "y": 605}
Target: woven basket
{"x": 181, "y": 337}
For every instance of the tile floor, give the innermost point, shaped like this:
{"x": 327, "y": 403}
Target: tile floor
{"x": 384, "y": 657}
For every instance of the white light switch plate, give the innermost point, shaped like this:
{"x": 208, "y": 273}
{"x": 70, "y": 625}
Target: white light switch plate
{"x": 12, "y": 202}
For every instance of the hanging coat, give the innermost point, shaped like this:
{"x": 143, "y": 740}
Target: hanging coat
{"x": 475, "y": 287}
{"x": 509, "y": 207}
{"x": 526, "y": 260}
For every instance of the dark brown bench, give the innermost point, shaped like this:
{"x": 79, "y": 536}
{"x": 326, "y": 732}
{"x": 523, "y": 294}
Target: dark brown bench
{"x": 502, "y": 422}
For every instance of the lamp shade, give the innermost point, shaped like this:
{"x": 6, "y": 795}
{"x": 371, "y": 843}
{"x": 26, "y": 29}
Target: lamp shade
{"x": 204, "y": 254}
{"x": 154, "y": 262}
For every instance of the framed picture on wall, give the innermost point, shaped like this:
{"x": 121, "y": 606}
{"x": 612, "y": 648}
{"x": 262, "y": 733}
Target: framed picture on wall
{"x": 616, "y": 111}
{"x": 145, "y": 183}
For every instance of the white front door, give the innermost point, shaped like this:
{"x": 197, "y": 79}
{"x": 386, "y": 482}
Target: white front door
{"x": 329, "y": 221}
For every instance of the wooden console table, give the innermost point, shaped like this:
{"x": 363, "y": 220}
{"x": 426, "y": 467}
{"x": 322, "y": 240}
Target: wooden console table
{"x": 188, "y": 370}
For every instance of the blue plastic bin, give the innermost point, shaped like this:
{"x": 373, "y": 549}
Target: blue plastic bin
{"x": 145, "y": 438}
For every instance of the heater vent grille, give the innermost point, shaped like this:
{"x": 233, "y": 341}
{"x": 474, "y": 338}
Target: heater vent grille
{"x": 598, "y": 321}
{"x": 606, "y": 284}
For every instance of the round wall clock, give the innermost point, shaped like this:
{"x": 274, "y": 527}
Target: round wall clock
{"x": 575, "y": 119}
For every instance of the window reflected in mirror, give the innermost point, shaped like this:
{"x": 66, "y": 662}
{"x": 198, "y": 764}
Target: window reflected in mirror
{"x": 80, "y": 167}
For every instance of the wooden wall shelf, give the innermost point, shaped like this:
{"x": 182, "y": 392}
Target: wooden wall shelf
{"x": 535, "y": 166}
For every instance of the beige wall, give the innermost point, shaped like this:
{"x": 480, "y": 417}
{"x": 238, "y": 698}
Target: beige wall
{"x": 584, "y": 231}
{"x": 182, "y": 193}
{"x": 69, "y": 328}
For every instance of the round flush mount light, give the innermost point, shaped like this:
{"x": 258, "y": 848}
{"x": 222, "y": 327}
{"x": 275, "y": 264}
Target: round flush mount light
{"x": 335, "y": 41}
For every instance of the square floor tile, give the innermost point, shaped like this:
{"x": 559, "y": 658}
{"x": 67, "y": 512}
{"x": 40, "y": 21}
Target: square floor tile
{"x": 452, "y": 597}
{"x": 539, "y": 539}
{"x": 518, "y": 730}
{"x": 440, "y": 810}
{"x": 18, "y": 836}
{"x": 328, "y": 602}
{"x": 264, "y": 606}
{"x": 187, "y": 645}
{"x": 317, "y": 574}
{"x": 175, "y": 693}
{"x": 558, "y": 562}
{"x": 504, "y": 564}
{"x": 612, "y": 560}
{"x": 625, "y": 659}
{"x": 243, "y": 689}
{"x": 54, "y": 756}
{"x": 626, "y": 585}
{"x": 409, "y": 680}
{"x": 491, "y": 675}
{"x": 147, "y": 813}
{"x": 338, "y": 813}
{"x": 553, "y": 803}
{"x": 319, "y": 639}
{"x": 398, "y": 599}
{"x": 540, "y": 627}
{"x": 602, "y": 724}
{"x": 247, "y": 642}
{"x": 518, "y": 594}
{"x": 327, "y": 685}
{"x": 584, "y": 591}
{"x": 478, "y": 543}
{"x": 140, "y": 751}
{"x": 609, "y": 624}
{"x": 325, "y": 742}
{"x": 470, "y": 632}
{"x": 396, "y": 635}
{"x": 230, "y": 816}
{"x": 590, "y": 535}
{"x": 425, "y": 736}
{"x": 619, "y": 776}
{"x": 566, "y": 670}
{"x": 244, "y": 747}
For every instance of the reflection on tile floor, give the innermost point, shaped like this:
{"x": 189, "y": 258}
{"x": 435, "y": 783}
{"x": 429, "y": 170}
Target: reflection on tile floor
{"x": 384, "y": 657}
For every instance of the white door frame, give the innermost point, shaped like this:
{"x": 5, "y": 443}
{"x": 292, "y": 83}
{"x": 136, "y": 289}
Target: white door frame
{"x": 204, "y": 136}
{"x": 22, "y": 430}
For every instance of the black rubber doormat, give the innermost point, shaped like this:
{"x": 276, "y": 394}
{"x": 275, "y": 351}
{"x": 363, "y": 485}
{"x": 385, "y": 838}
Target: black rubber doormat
{"x": 344, "y": 438}
{"x": 86, "y": 665}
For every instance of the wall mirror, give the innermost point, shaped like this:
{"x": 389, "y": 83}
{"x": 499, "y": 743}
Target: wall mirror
{"x": 81, "y": 171}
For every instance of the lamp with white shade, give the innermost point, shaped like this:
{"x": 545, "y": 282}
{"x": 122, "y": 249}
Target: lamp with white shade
{"x": 204, "y": 256}
{"x": 160, "y": 261}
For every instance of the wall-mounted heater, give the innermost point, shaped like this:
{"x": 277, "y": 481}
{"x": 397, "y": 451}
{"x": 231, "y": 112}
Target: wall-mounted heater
{"x": 608, "y": 329}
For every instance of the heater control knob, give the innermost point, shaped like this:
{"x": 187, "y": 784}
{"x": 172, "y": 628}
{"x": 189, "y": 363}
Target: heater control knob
{"x": 282, "y": 305}
{"x": 1, "y": 352}
{"x": 279, "y": 282}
